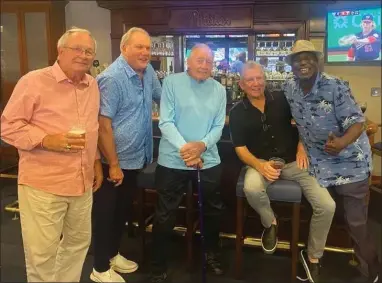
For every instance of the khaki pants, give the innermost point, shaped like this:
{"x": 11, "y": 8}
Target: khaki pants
{"x": 322, "y": 203}
{"x": 44, "y": 219}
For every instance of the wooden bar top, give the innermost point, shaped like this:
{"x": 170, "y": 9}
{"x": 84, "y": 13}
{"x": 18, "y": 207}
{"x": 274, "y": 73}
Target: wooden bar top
{"x": 156, "y": 119}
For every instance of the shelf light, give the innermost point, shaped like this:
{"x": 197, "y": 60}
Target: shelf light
{"x": 289, "y": 35}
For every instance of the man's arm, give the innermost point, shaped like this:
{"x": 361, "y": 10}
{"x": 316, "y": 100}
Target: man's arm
{"x": 351, "y": 54}
{"x": 106, "y": 141}
{"x": 247, "y": 157}
{"x": 16, "y": 126}
{"x": 369, "y": 39}
{"x": 348, "y": 113}
{"x": 218, "y": 124}
{"x": 353, "y": 133}
{"x": 350, "y": 118}
{"x": 109, "y": 107}
{"x": 167, "y": 117}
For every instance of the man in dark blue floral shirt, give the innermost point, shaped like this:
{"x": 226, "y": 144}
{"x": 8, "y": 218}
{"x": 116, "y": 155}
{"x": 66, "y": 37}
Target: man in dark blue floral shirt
{"x": 331, "y": 127}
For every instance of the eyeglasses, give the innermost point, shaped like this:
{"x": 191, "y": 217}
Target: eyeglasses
{"x": 80, "y": 50}
{"x": 263, "y": 120}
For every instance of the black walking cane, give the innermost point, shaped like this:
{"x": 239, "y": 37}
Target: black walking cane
{"x": 200, "y": 201}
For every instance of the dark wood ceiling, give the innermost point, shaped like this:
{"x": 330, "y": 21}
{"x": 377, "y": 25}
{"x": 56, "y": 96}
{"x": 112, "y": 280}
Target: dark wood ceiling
{"x": 111, "y": 4}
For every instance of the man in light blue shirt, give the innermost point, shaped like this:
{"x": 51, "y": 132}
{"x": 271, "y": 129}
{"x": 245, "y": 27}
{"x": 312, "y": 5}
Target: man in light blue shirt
{"x": 127, "y": 89}
{"x": 192, "y": 117}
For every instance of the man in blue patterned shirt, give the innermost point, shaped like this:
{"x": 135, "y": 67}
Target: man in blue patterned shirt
{"x": 127, "y": 89}
{"x": 331, "y": 127}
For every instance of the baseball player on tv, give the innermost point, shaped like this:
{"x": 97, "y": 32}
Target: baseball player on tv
{"x": 366, "y": 44}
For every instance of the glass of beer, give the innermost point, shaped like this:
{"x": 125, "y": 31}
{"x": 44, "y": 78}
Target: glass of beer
{"x": 277, "y": 163}
{"x": 79, "y": 129}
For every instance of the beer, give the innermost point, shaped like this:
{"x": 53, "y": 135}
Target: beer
{"x": 277, "y": 163}
{"x": 78, "y": 130}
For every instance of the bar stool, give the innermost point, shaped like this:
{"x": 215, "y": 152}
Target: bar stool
{"x": 146, "y": 183}
{"x": 278, "y": 191}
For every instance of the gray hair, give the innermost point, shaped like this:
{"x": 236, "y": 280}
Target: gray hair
{"x": 251, "y": 65}
{"x": 126, "y": 37}
{"x": 62, "y": 41}
{"x": 201, "y": 46}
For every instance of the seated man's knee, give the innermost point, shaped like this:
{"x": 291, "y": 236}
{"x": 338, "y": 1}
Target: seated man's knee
{"x": 254, "y": 190}
{"x": 328, "y": 207}
{"x": 253, "y": 183}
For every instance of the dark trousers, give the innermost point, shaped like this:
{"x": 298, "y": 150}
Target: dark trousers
{"x": 111, "y": 206}
{"x": 352, "y": 203}
{"x": 171, "y": 184}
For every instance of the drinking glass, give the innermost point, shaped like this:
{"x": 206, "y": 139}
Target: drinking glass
{"x": 277, "y": 163}
{"x": 363, "y": 106}
{"x": 78, "y": 129}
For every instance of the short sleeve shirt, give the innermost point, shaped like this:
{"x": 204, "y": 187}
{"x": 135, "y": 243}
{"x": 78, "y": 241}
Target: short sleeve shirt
{"x": 266, "y": 135}
{"x": 329, "y": 107}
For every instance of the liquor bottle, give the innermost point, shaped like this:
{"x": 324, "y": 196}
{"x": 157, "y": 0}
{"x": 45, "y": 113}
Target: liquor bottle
{"x": 223, "y": 79}
{"x": 236, "y": 87}
{"x": 229, "y": 89}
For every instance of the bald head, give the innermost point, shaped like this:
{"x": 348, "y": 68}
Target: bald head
{"x": 200, "y": 62}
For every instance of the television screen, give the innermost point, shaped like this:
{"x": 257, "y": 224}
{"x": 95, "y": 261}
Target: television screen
{"x": 219, "y": 53}
{"x": 234, "y": 51}
{"x": 354, "y": 35}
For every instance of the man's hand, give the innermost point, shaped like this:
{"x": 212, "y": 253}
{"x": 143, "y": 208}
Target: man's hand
{"x": 192, "y": 150}
{"x": 64, "y": 142}
{"x": 195, "y": 163}
{"x": 115, "y": 175}
{"x": 265, "y": 168}
{"x": 334, "y": 145}
{"x": 98, "y": 175}
{"x": 301, "y": 157}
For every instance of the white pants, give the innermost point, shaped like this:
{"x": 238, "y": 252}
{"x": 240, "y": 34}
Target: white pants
{"x": 56, "y": 234}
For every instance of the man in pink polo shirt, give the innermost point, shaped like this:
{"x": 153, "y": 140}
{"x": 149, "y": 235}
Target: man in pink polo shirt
{"x": 52, "y": 119}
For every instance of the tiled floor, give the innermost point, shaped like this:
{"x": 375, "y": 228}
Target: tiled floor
{"x": 258, "y": 267}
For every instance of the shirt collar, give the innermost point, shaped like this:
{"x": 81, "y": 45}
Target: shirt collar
{"x": 60, "y": 76}
{"x": 129, "y": 71}
{"x": 247, "y": 104}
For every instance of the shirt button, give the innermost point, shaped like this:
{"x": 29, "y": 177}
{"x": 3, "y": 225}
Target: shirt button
{"x": 273, "y": 137}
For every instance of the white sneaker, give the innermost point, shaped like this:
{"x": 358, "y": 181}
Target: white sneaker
{"x": 123, "y": 265}
{"x": 107, "y": 276}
